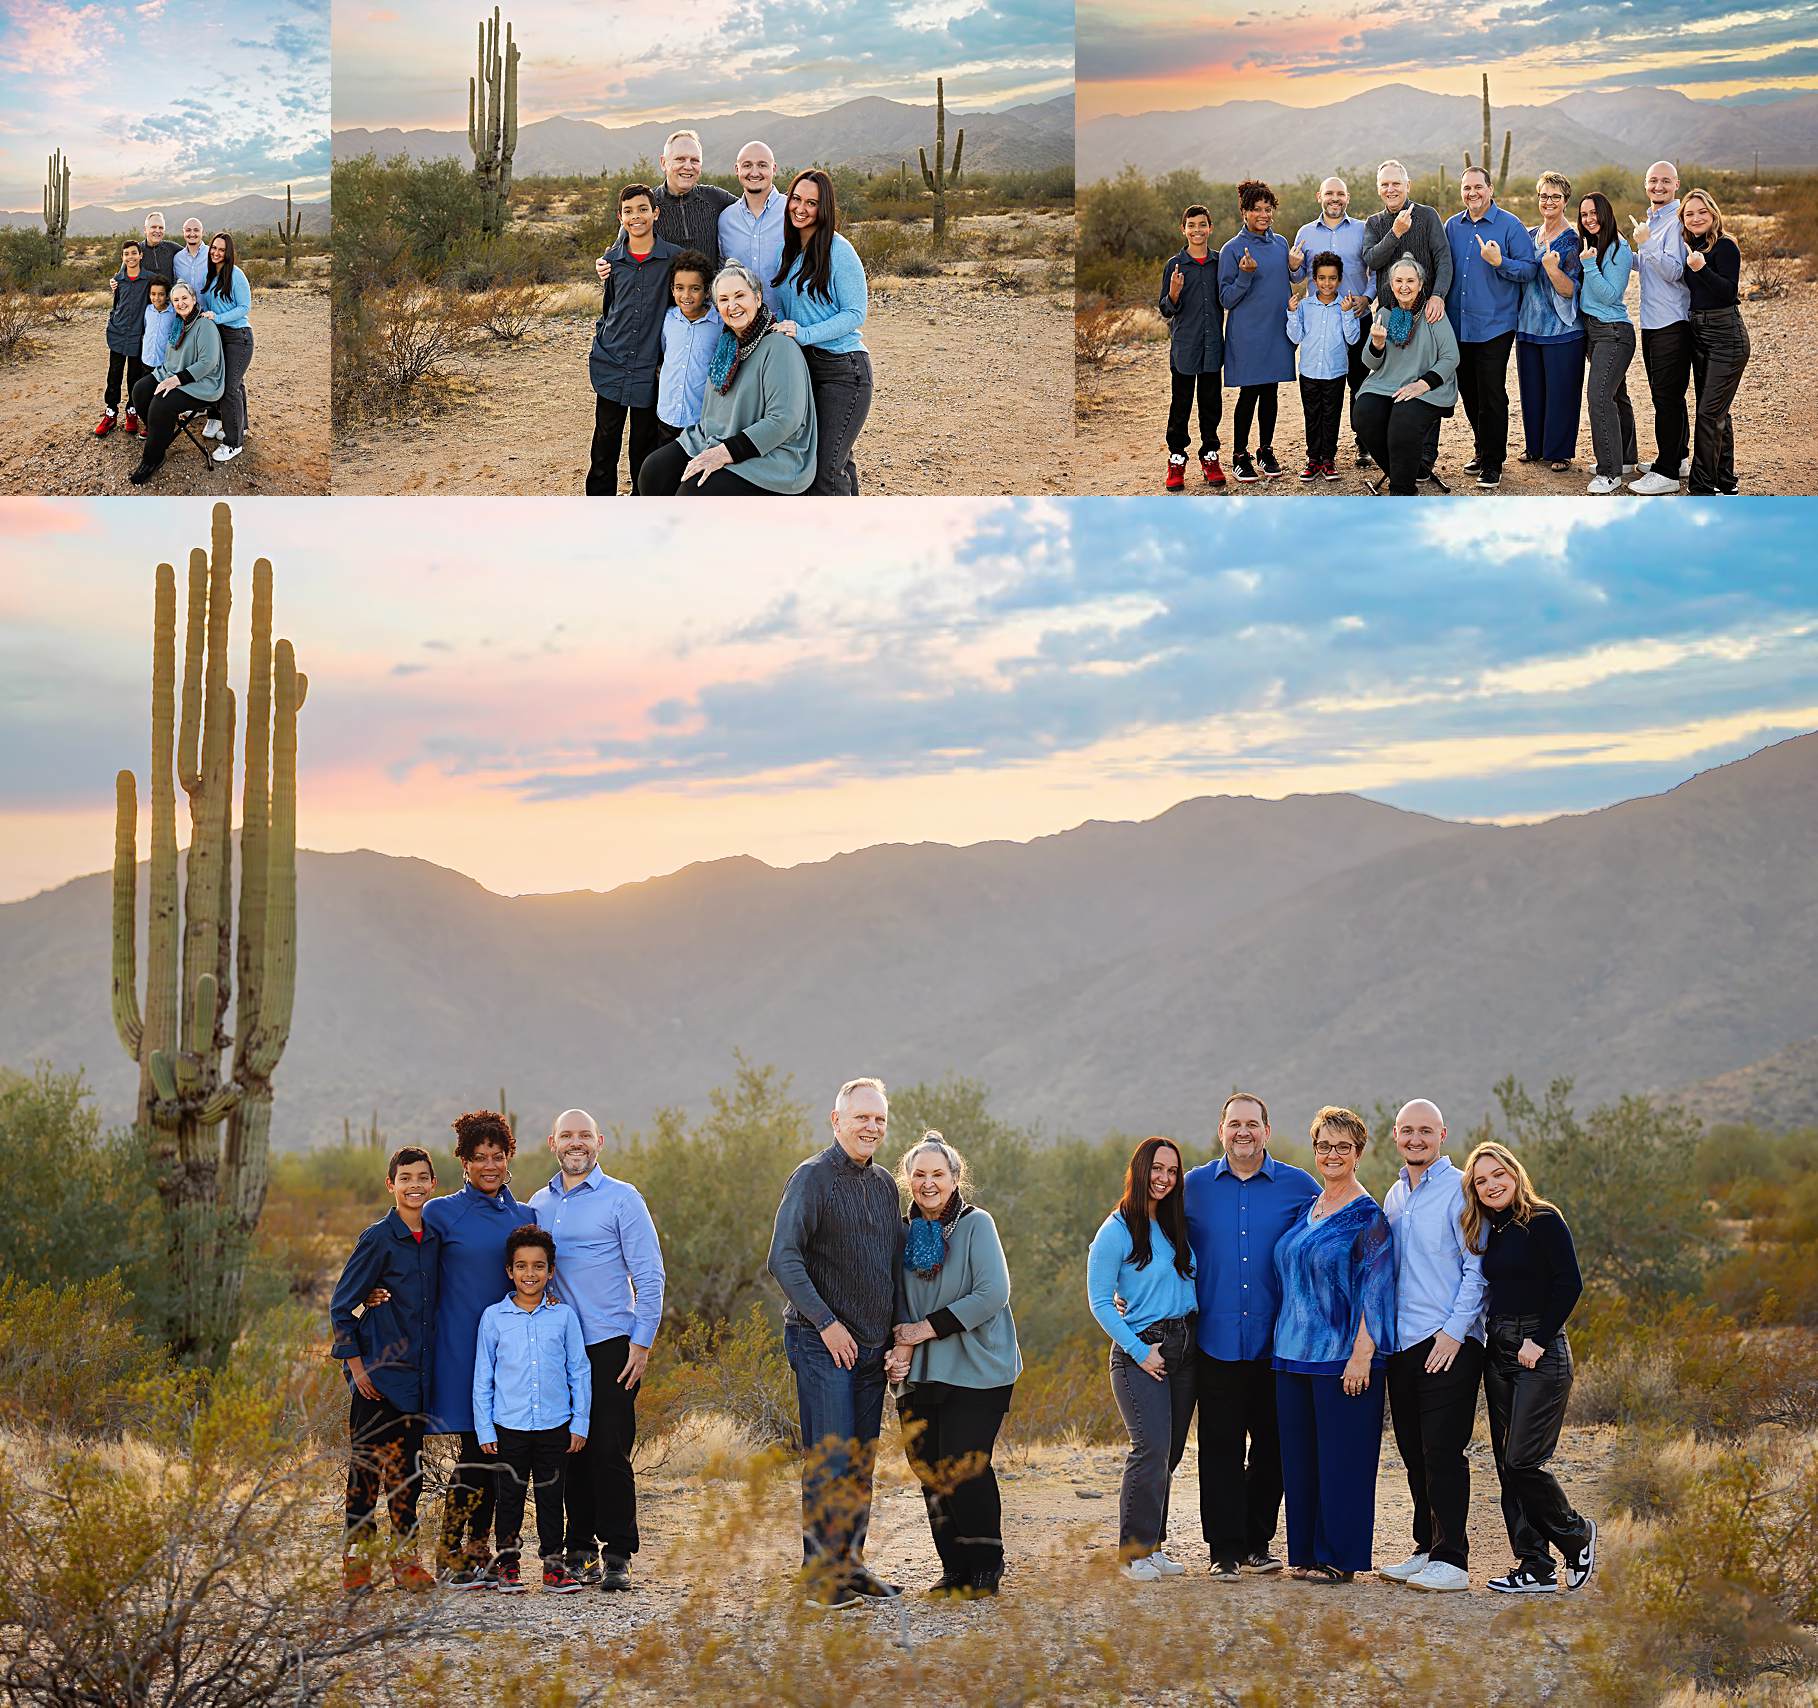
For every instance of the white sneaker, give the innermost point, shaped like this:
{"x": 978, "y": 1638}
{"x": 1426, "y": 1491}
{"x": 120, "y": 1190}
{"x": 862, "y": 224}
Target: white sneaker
{"x": 213, "y": 430}
{"x": 1167, "y": 1567}
{"x": 1653, "y": 485}
{"x": 1412, "y": 1566}
{"x": 1143, "y": 1571}
{"x": 1603, "y": 485}
{"x": 227, "y": 453}
{"x": 1685, "y": 469}
{"x": 1439, "y": 1574}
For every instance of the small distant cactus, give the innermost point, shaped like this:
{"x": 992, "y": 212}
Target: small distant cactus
{"x": 289, "y": 230}
{"x": 371, "y": 1137}
{"x": 492, "y": 123}
{"x": 56, "y": 201}
{"x": 941, "y": 174}
{"x": 1508, "y": 138}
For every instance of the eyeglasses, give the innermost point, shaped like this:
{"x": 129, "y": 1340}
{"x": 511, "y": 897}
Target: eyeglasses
{"x": 1330, "y": 1147}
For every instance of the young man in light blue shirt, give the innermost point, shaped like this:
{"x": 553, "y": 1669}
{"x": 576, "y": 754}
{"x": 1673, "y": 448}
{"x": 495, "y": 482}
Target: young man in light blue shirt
{"x": 612, "y": 1274}
{"x": 1666, "y": 330}
{"x": 751, "y": 229}
{"x": 1433, "y": 1381}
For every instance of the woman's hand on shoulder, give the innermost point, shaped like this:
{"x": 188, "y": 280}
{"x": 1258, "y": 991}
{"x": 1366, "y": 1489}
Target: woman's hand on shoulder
{"x": 788, "y": 328}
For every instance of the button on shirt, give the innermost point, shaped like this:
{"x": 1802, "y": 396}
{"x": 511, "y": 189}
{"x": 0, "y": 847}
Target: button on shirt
{"x": 755, "y": 238}
{"x": 1233, "y": 1225}
{"x": 609, "y": 1265}
{"x": 530, "y": 1370}
{"x": 1666, "y": 299}
{"x": 1439, "y": 1283}
{"x": 1346, "y": 240}
{"x": 688, "y": 347}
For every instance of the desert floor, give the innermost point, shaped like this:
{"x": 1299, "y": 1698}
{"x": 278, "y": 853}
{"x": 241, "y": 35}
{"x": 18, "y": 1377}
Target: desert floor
{"x": 49, "y": 405}
{"x": 974, "y": 386}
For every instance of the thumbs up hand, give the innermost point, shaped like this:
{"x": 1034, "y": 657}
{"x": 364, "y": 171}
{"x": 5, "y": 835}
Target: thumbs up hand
{"x": 1174, "y": 284}
{"x": 1491, "y": 252}
{"x": 1247, "y": 261}
{"x": 1403, "y": 221}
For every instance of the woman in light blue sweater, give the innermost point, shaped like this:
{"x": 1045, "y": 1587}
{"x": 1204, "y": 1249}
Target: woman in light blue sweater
{"x": 1609, "y": 342}
{"x": 1141, "y": 1256}
{"x": 227, "y": 301}
{"x": 821, "y": 301}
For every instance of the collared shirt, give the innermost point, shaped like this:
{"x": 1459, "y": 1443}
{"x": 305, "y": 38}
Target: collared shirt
{"x": 688, "y": 347}
{"x": 1324, "y": 333}
{"x": 755, "y": 238}
{"x": 191, "y": 270}
{"x": 609, "y": 1264}
{"x": 1438, "y": 1281}
{"x": 530, "y": 1369}
{"x": 1346, "y": 240}
{"x": 1666, "y": 299}
{"x": 1233, "y": 1225}
{"x": 1485, "y": 301}
{"x": 393, "y": 1340}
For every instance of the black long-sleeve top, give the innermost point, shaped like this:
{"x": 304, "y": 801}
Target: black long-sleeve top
{"x": 1532, "y": 1270}
{"x": 1718, "y": 282}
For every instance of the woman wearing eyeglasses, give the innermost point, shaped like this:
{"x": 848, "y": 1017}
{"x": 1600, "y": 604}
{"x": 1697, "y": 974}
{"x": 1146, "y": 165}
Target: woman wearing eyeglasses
{"x": 1333, "y": 1335}
{"x": 1549, "y": 336}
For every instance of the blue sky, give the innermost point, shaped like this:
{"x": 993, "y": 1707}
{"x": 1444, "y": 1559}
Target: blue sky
{"x": 949, "y": 671}
{"x": 168, "y": 99}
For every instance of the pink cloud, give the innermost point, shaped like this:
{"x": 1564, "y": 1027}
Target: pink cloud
{"x": 27, "y": 518}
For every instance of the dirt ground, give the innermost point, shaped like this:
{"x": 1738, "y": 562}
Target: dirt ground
{"x": 1122, "y": 448}
{"x": 49, "y": 405}
{"x": 973, "y": 384}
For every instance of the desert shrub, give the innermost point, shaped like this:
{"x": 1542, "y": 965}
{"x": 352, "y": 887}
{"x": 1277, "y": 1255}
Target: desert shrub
{"x": 72, "y": 1358}
{"x": 413, "y": 331}
{"x": 25, "y": 255}
{"x": 509, "y": 311}
{"x": 20, "y": 317}
{"x": 264, "y": 275}
{"x": 63, "y": 310}
{"x": 1065, "y": 1395}
{"x": 1007, "y": 281}
{"x": 733, "y": 1370}
{"x": 64, "y": 282}
{"x": 398, "y": 221}
{"x": 1097, "y": 332}
{"x": 895, "y": 249}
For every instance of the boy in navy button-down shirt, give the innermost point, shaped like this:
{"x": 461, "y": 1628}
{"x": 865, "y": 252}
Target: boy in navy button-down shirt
{"x": 385, "y": 1349}
{"x": 628, "y": 342}
{"x": 1196, "y": 347}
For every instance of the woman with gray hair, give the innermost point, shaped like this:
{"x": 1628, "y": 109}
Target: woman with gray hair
{"x": 956, "y": 1359}
{"x": 756, "y": 434}
{"x": 1412, "y": 379}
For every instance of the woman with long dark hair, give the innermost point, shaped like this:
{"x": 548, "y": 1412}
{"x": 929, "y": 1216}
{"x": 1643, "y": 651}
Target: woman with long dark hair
{"x": 821, "y": 302}
{"x": 1720, "y": 342}
{"x": 227, "y": 301}
{"x": 189, "y": 378}
{"x": 1140, "y": 1255}
{"x": 1609, "y": 342}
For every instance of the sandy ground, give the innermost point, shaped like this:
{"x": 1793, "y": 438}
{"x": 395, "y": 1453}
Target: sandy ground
{"x": 973, "y": 388}
{"x": 1122, "y": 444}
{"x": 49, "y": 405}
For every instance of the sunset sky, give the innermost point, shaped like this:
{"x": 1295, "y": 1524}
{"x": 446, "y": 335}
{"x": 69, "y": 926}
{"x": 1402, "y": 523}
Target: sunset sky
{"x": 498, "y": 689}
{"x": 1140, "y": 56}
{"x": 119, "y": 90}
{"x": 407, "y": 63}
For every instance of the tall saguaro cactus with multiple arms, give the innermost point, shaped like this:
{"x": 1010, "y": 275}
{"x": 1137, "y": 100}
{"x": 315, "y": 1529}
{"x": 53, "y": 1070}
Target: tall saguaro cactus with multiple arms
{"x": 207, "y": 1127}
{"x": 56, "y": 201}
{"x": 289, "y": 230}
{"x": 492, "y": 123}
{"x": 941, "y": 174}
{"x": 1508, "y": 138}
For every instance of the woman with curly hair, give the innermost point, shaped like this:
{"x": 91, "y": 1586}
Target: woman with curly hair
{"x": 1253, "y": 290}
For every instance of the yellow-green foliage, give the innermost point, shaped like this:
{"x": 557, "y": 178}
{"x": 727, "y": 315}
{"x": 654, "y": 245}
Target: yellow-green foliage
{"x": 72, "y": 1359}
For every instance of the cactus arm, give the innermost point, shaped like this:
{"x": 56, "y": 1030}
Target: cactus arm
{"x": 127, "y": 1023}
{"x": 189, "y": 735}
{"x": 160, "y": 1012}
{"x": 921, "y": 154}
{"x": 255, "y": 818}
{"x": 163, "y": 1078}
{"x": 280, "y": 974}
{"x": 959, "y": 143}
{"x": 208, "y": 801}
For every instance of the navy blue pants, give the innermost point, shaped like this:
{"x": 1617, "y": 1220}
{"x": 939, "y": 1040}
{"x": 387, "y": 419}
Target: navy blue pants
{"x": 842, "y": 1412}
{"x": 1552, "y": 386}
{"x": 1330, "y": 1444}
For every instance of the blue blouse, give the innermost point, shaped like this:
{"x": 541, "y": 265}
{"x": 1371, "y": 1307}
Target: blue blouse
{"x": 230, "y": 308}
{"x": 1605, "y": 286}
{"x": 1334, "y": 1275}
{"x": 471, "y": 1230}
{"x": 1257, "y": 351}
{"x": 1545, "y": 316}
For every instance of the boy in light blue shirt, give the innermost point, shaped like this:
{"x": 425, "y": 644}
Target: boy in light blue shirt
{"x": 691, "y": 331}
{"x": 1324, "y": 328}
{"x": 532, "y": 1404}
{"x": 160, "y": 317}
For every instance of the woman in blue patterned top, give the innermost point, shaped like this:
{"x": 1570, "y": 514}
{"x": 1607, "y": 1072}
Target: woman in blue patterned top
{"x": 1549, "y": 339}
{"x": 1334, "y": 1332}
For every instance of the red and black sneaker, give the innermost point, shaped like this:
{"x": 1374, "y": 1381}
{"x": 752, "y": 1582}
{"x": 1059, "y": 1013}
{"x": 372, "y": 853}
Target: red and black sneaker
{"x": 506, "y": 1580}
{"x": 558, "y": 1579}
{"x": 106, "y": 424}
{"x": 1331, "y": 471}
{"x": 1208, "y": 466}
{"x": 133, "y": 424}
{"x": 1312, "y": 471}
{"x": 1177, "y": 471}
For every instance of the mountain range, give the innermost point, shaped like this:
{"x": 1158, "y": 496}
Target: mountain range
{"x": 870, "y": 134}
{"x": 1632, "y": 127}
{"x": 1116, "y": 975}
{"x": 242, "y": 214}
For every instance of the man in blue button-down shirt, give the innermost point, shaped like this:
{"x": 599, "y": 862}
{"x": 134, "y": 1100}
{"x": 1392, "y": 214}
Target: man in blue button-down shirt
{"x": 612, "y": 1273}
{"x": 1237, "y": 1208}
{"x": 1492, "y": 258}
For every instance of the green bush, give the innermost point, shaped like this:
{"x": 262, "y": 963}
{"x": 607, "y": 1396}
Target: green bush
{"x": 72, "y": 1358}
{"x": 25, "y": 256}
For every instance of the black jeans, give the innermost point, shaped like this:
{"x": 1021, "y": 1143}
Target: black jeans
{"x": 1322, "y": 403}
{"x": 1527, "y": 1408}
{"x": 1609, "y": 347}
{"x": 1157, "y": 1415}
{"x": 1398, "y": 437}
{"x": 661, "y": 477}
{"x": 1355, "y": 371}
{"x": 842, "y": 399}
{"x": 609, "y": 420}
{"x": 531, "y": 1461}
{"x": 121, "y": 363}
{"x": 1720, "y": 351}
{"x": 1483, "y": 389}
{"x": 385, "y": 1452}
{"x": 601, "y": 1493}
{"x": 1433, "y": 1417}
{"x": 1239, "y": 1500}
{"x": 467, "y": 1508}
{"x": 230, "y": 408}
{"x": 1180, "y": 410}
{"x": 948, "y": 1435}
{"x": 1258, "y": 402}
{"x": 1666, "y": 353}
{"x": 160, "y": 417}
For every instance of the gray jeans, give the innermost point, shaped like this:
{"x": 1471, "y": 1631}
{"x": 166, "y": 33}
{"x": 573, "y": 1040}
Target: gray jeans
{"x": 1609, "y": 348}
{"x": 842, "y": 400}
{"x": 1156, "y": 1415}
{"x": 236, "y": 355}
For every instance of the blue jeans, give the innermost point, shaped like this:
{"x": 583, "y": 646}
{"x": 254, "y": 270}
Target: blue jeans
{"x": 842, "y": 1412}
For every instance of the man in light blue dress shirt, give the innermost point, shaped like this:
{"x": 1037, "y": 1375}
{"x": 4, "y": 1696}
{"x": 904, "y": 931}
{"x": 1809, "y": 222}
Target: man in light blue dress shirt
{"x": 1433, "y": 1381}
{"x": 190, "y": 263}
{"x": 1666, "y": 330}
{"x": 751, "y": 229}
{"x": 609, "y": 1267}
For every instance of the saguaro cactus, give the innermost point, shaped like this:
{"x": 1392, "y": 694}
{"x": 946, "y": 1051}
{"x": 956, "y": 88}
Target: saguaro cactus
{"x": 492, "y": 123}
{"x": 1508, "y": 137}
{"x": 289, "y": 230}
{"x": 207, "y": 1132}
{"x": 941, "y": 174}
{"x": 56, "y": 201}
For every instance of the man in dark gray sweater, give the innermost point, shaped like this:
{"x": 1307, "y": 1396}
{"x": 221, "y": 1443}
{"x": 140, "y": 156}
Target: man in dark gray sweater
{"x": 837, "y": 1253}
{"x": 1406, "y": 227}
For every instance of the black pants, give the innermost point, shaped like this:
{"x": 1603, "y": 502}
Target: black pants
{"x": 602, "y": 1494}
{"x": 1355, "y": 369}
{"x": 1720, "y": 351}
{"x": 1483, "y": 389}
{"x": 1239, "y": 1501}
{"x": 1433, "y": 1417}
{"x": 1666, "y": 354}
{"x": 665, "y": 434}
{"x": 1256, "y": 401}
{"x": 1180, "y": 410}
{"x": 160, "y": 417}
{"x": 467, "y": 1509}
{"x": 842, "y": 399}
{"x": 1527, "y": 1408}
{"x": 950, "y": 1453}
{"x": 230, "y": 408}
{"x": 121, "y": 363}
{"x": 662, "y": 478}
{"x": 1322, "y": 403}
{"x": 531, "y": 1461}
{"x": 608, "y": 434}
{"x": 1399, "y": 437}
{"x": 385, "y": 1452}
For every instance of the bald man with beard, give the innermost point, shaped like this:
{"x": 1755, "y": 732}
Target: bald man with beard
{"x": 609, "y": 1268}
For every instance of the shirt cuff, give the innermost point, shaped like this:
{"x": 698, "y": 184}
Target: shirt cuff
{"x": 740, "y": 447}
{"x": 1432, "y": 379}
{"x": 945, "y": 1323}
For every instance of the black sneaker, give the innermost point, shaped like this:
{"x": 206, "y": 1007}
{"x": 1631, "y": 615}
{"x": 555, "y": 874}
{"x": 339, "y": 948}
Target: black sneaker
{"x": 1242, "y": 467}
{"x": 1473, "y": 467}
{"x": 872, "y": 1587}
{"x": 1431, "y": 478}
{"x": 835, "y": 1598}
{"x": 1266, "y": 461}
{"x": 507, "y": 1581}
{"x": 615, "y": 1573}
{"x": 1521, "y": 1581}
{"x": 1489, "y": 479}
{"x": 1363, "y": 458}
{"x": 1261, "y": 1561}
{"x": 467, "y": 1577}
{"x": 1225, "y": 1571}
{"x": 1580, "y": 1565}
{"x": 950, "y": 1584}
